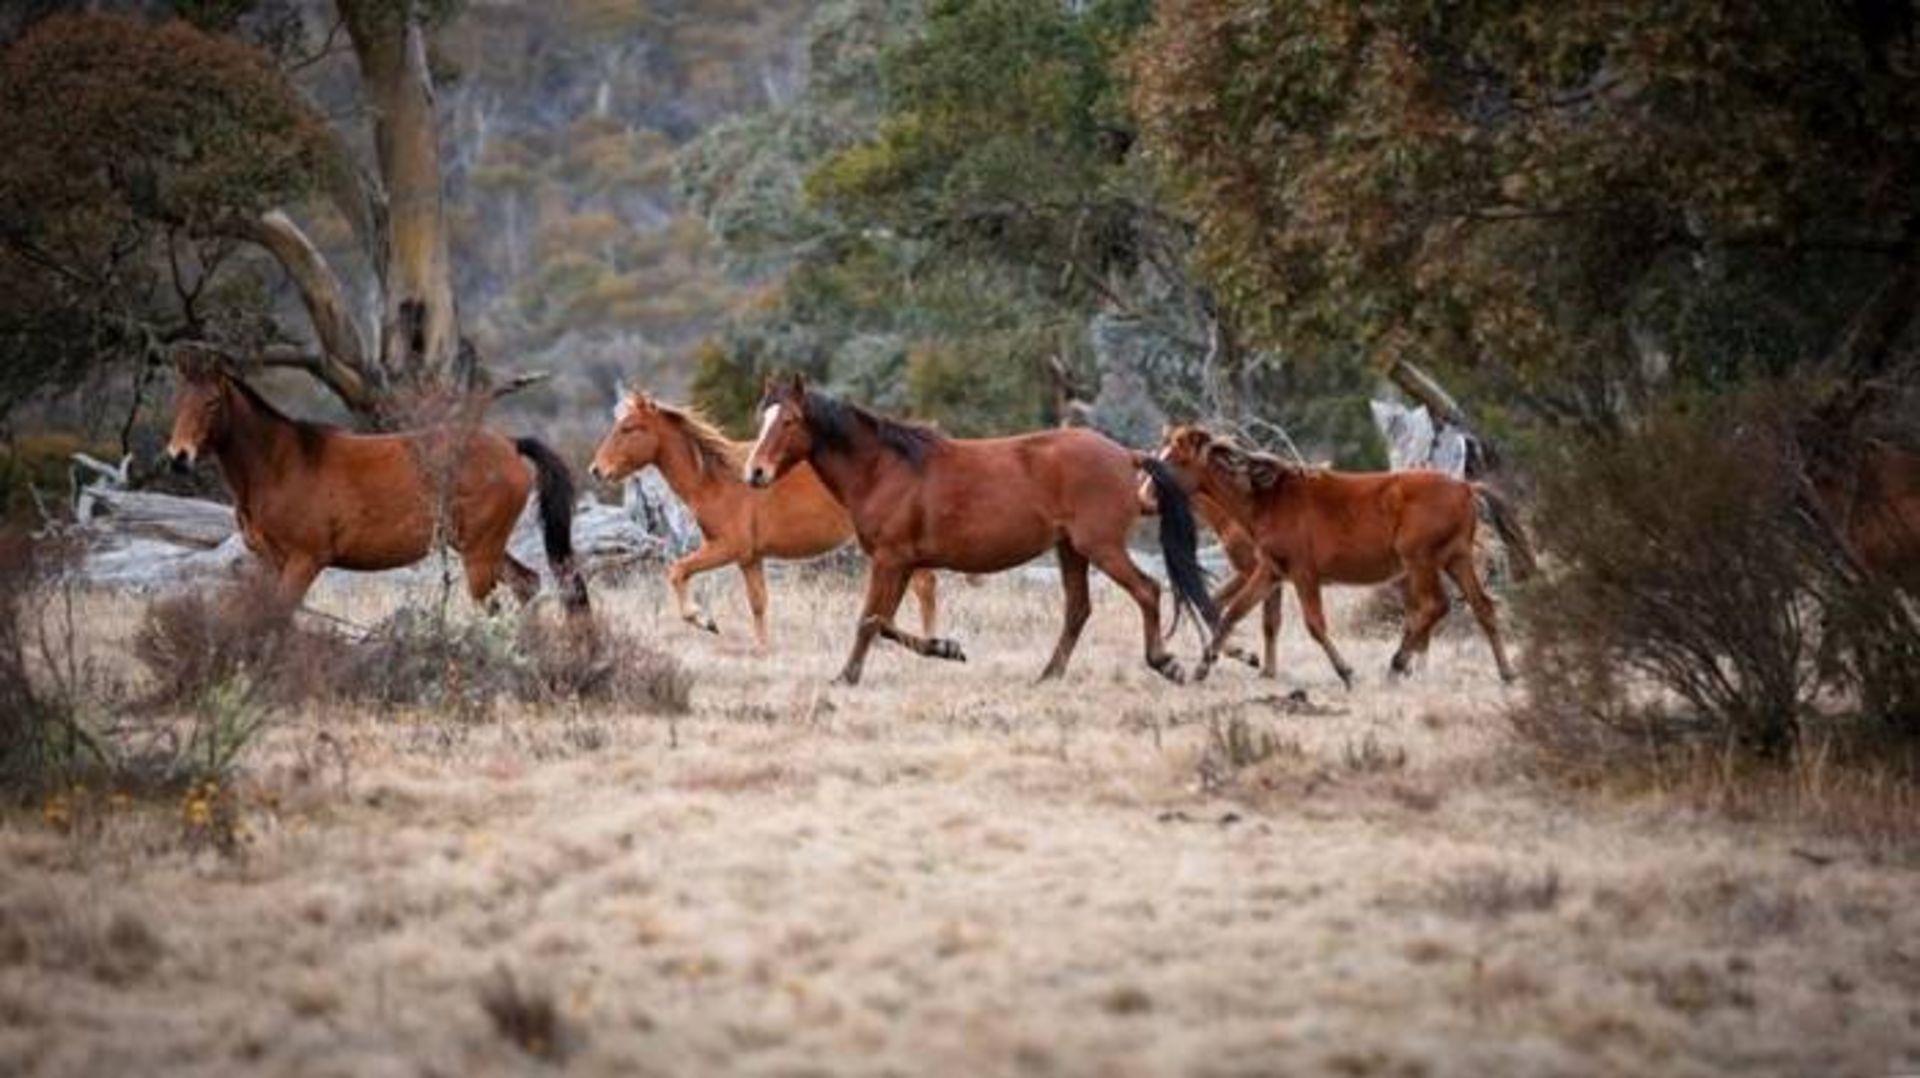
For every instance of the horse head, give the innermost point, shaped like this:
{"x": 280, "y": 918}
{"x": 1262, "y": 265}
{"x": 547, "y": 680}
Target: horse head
{"x": 199, "y": 407}
{"x": 634, "y": 441}
{"x": 1199, "y": 457}
{"x": 785, "y": 438}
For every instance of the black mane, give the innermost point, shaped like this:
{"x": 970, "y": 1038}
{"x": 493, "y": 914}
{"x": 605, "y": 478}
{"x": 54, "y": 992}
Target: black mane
{"x": 834, "y": 421}
{"x": 309, "y": 434}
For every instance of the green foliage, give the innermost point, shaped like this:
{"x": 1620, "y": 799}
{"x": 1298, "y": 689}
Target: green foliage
{"x": 1590, "y": 204}
{"x": 133, "y": 146}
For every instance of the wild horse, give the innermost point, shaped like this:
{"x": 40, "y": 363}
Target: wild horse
{"x": 309, "y": 496}
{"x": 1317, "y": 527}
{"x": 921, "y": 500}
{"x": 741, "y": 526}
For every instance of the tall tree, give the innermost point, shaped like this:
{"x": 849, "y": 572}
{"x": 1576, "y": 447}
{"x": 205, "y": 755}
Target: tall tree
{"x": 1588, "y": 203}
{"x": 216, "y": 148}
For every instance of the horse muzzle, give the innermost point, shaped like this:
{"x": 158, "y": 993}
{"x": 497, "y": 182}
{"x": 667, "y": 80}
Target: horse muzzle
{"x": 180, "y": 460}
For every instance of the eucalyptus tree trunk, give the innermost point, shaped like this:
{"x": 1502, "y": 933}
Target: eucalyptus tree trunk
{"x": 413, "y": 366}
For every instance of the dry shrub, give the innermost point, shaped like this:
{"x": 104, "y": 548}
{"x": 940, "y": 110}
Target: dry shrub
{"x": 526, "y": 1017}
{"x": 416, "y": 659}
{"x": 1691, "y": 564}
{"x": 1493, "y": 893}
{"x": 47, "y": 690}
{"x": 192, "y": 645}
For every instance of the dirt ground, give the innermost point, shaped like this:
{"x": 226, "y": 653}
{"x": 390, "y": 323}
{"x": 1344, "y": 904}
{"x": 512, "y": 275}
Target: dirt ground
{"x": 948, "y": 870}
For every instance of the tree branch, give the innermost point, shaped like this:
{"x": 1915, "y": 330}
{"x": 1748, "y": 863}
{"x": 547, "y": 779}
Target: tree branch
{"x": 342, "y": 365}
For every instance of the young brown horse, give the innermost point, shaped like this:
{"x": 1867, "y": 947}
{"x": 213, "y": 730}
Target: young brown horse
{"x": 797, "y": 519}
{"x": 309, "y": 496}
{"x": 922, "y": 500}
{"x": 1316, "y": 526}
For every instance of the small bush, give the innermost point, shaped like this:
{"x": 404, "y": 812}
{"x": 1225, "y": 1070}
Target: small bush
{"x": 199, "y": 644}
{"x": 1684, "y": 563}
{"x": 416, "y": 659}
{"x": 47, "y": 691}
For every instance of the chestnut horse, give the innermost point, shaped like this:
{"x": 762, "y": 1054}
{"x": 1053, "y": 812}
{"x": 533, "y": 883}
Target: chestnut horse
{"x": 1873, "y": 503}
{"x": 738, "y": 525}
{"x": 1326, "y": 527}
{"x": 922, "y": 500}
{"x": 309, "y": 496}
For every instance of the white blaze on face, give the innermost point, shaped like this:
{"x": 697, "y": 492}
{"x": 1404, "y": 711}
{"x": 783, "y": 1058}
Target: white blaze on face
{"x": 767, "y": 419}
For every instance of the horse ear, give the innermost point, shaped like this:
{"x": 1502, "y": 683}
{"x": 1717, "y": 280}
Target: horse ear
{"x": 797, "y": 383}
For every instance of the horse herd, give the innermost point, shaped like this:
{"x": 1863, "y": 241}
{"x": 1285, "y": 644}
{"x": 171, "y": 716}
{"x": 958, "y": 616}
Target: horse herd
{"x": 822, "y": 470}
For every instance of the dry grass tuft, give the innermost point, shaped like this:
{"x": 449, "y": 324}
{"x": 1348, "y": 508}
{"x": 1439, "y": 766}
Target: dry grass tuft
{"x": 1494, "y": 894}
{"x": 526, "y": 1017}
{"x": 191, "y": 645}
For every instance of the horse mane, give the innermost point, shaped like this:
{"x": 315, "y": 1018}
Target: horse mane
{"x": 1240, "y": 460}
{"x": 834, "y": 420}
{"x": 712, "y": 449}
{"x": 308, "y": 433}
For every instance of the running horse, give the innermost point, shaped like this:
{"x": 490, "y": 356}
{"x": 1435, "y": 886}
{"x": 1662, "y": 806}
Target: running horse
{"x": 741, "y": 526}
{"x": 1316, "y": 526}
{"x": 922, "y": 500}
{"x": 309, "y": 496}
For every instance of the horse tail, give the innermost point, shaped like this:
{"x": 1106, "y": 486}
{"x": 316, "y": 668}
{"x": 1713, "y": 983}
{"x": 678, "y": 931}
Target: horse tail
{"x": 1507, "y": 524}
{"x": 556, "y": 519}
{"x": 1179, "y": 542}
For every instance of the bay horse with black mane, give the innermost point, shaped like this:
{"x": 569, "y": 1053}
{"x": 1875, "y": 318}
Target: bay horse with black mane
{"x": 308, "y": 496}
{"x": 798, "y": 518}
{"x": 922, "y": 500}
{"x": 1316, "y": 526}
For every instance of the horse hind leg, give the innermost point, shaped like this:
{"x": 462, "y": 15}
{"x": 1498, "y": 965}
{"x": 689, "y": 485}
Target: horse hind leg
{"x": 754, "y": 575}
{"x": 1270, "y": 614}
{"x": 1426, "y": 605}
{"x": 1461, "y": 569}
{"x": 1079, "y": 606}
{"x": 521, "y": 579}
{"x": 1113, "y": 561}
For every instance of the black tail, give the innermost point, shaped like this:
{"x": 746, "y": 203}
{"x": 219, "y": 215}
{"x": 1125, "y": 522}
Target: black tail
{"x": 1507, "y": 524}
{"x": 1180, "y": 542}
{"x": 556, "y": 519}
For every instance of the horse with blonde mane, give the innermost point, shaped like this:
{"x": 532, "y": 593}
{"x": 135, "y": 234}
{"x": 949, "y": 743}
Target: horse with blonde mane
{"x": 796, "y": 519}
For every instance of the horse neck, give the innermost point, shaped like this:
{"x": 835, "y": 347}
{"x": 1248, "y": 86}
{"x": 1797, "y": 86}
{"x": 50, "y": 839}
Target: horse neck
{"x": 850, "y": 471}
{"x": 1231, "y": 500}
{"x": 680, "y": 465}
{"x": 256, "y": 450}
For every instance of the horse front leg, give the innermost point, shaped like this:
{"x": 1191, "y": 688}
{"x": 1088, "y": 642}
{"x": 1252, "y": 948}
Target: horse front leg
{"x": 1258, "y": 584}
{"x": 754, "y": 575}
{"x": 929, "y": 645}
{"x": 886, "y": 585}
{"x": 296, "y": 575}
{"x": 1221, "y": 598}
{"x": 1315, "y": 616}
{"x": 681, "y": 573}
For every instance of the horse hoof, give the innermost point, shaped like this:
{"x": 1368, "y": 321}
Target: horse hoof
{"x": 1169, "y": 668}
{"x": 1244, "y": 656}
{"x": 1346, "y": 679}
{"x": 946, "y": 649}
{"x": 845, "y": 679}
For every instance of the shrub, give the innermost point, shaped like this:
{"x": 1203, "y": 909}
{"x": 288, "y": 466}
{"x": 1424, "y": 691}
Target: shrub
{"x": 1691, "y": 573}
{"x": 45, "y": 689}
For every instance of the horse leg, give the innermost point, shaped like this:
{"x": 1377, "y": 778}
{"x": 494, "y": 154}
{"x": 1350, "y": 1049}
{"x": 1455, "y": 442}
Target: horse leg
{"x": 521, "y": 580}
{"x": 1311, "y": 612}
{"x": 1113, "y": 561}
{"x": 1270, "y": 614}
{"x": 1462, "y": 571}
{"x": 755, "y": 576}
{"x": 1426, "y": 605}
{"x": 886, "y": 585}
{"x": 1073, "y": 579}
{"x": 925, "y": 593}
{"x": 1221, "y": 597}
{"x": 1254, "y": 589}
{"x": 295, "y": 577}
{"x": 931, "y": 647}
{"x": 681, "y": 572}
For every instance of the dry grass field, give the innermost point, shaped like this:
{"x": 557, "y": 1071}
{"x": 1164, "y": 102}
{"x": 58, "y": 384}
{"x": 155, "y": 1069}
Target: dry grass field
{"x": 948, "y": 870}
